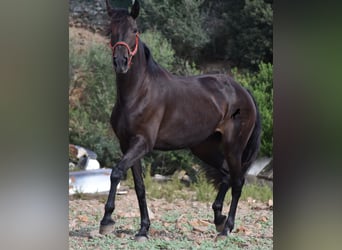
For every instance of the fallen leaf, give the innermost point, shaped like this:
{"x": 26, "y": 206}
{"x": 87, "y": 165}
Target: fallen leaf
{"x": 199, "y": 225}
{"x": 243, "y": 230}
{"x": 83, "y": 218}
{"x": 263, "y": 219}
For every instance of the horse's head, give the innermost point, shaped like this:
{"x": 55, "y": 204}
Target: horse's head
{"x": 124, "y": 36}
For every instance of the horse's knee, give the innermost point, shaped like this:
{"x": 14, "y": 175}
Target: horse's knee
{"x": 116, "y": 176}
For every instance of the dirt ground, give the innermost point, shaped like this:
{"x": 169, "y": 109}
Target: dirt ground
{"x": 182, "y": 224}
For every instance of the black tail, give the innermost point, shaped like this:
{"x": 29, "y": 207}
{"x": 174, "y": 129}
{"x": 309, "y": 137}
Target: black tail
{"x": 253, "y": 145}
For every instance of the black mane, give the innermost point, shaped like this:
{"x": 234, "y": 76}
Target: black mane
{"x": 152, "y": 66}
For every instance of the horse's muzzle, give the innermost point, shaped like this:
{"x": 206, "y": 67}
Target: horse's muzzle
{"x": 120, "y": 64}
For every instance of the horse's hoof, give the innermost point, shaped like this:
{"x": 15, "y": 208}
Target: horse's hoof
{"x": 106, "y": 229}
{"x": 140, "y": 238}
{"x": 220, "y": 237}
{"x": 220, "y": 227}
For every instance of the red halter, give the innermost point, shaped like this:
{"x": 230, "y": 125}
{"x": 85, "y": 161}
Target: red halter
{"x": 130, "y": 52}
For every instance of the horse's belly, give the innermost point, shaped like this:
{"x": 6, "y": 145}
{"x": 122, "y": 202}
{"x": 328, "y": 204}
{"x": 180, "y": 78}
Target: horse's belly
{"x": 183, "y": 135}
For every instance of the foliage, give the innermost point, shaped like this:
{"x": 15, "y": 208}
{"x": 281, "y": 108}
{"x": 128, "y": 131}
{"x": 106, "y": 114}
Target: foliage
{"x": 160, "y": 47}
{"x": 239, "y": 30}
{"x": 258, "y": 192}
{"x": 164, "y": 54}
{"x": 253, "y": 42}
{"x": 236, "y": 30}
{"x": 180, "y": 21}
{"x": 200, "y": 190}
{"x": 204, "y": 190}
{"x": 261, "y": 85}
{"x": 166, "y": 163}
{"x": 91, "y": 72}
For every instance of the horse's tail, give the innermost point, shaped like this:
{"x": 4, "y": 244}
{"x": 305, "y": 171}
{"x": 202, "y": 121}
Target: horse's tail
{"x": 253, "y": 145}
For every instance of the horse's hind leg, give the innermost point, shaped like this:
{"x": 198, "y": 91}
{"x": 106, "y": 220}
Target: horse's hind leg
{"x": 234, "y": 142}
{"x": 208, "y": 151}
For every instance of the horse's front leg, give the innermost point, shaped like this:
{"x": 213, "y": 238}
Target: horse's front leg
{"x": 140, "y": 191}
{"x": 137, "y": 149}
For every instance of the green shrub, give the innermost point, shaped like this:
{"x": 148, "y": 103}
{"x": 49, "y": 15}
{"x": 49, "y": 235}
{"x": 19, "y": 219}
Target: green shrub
{"x": 166, "y": 163}
{"x": 164, "y": 54}
{"x": 89, "y": 118}
{"x": 180, "y": 21}
{"x": 160, "y": 47}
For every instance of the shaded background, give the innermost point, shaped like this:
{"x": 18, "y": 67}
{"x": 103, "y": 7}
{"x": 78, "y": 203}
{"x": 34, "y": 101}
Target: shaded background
{"x": 34, "y": 125}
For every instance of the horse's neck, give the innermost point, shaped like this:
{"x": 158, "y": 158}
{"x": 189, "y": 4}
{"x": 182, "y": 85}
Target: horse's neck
{"x": 129, "y": 84}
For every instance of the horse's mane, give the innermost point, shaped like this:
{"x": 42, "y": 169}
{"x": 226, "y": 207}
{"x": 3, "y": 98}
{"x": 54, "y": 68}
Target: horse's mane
{"x": 152, "y": 66}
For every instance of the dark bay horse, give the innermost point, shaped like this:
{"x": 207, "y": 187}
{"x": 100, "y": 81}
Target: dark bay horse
{"x": 212, "y": 115}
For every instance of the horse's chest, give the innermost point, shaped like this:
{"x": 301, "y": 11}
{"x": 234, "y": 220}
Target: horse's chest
{"x": 125, "y": 123}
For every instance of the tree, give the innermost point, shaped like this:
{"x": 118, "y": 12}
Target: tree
{"x": 240, "y": 31}
{"x": 178, "y": 20}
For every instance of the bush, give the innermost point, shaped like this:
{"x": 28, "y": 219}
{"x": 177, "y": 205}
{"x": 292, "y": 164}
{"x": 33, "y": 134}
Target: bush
{"x": 94, "y": 135}
{"x": 160, "y": 47}
{"x": 261, "y": 85}
{"x": 240, "y": 31}
{"x": 91, "y": 72}
{"x": 180, "y": 21}
{"x": 253, "y": 42}
{"x": 164, "y": 54}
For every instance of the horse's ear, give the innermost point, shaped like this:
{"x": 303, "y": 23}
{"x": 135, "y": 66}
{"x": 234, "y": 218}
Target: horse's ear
{"x": 135, "y": 9}
{"x": 110, "y": 10}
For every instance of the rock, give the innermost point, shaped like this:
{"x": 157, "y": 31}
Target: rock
{"x": 91, "y": 14}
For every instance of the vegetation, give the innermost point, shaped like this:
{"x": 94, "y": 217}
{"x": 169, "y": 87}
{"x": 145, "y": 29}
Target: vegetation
{"x": 238, "y": 31}
{"x": 180, "y": 21}
{"x": 91, "y": 73}
{"x": 200, "y": 190}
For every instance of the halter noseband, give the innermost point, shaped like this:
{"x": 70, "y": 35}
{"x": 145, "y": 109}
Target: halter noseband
{"x": 130, "y": 52}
